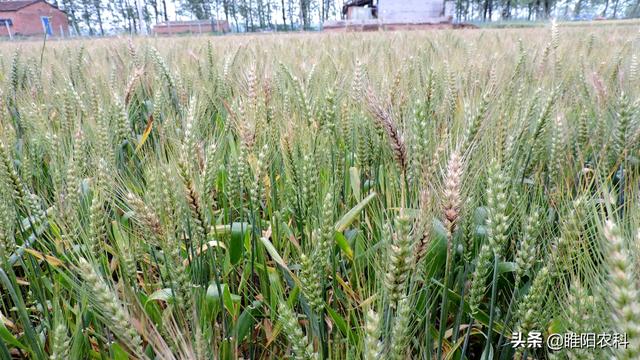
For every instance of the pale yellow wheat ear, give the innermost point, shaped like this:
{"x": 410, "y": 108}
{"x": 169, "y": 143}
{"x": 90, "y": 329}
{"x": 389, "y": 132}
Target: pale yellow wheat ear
{"x": 384, "y": 120}
{"x": 130, "y": 87}
{"x": 452, "y": 192}
{"x": 555, "y": 34}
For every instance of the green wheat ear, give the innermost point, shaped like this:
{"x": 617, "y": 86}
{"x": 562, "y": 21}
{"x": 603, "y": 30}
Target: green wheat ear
{"x": 530, "y": 306}
{"x": 107, "y": 303}
{"x": 301, "y": 348}
{"x": 484, "y": 263}
{"x": 401, "y": 332}
{"x": 624, "y": 291}
{"x": 311, "y": 280}
{"x": 399, "y": 260}
{"x": 60, "y": 341}
{"x": 373, "y": 346}
{"x": 527, "y": 251}
{"x": 497, "y": 202}
{"x": 7, "y": 240}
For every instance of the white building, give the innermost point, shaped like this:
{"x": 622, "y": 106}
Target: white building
{"x": 373, "y": 14}
{"x": 410, "y": 11}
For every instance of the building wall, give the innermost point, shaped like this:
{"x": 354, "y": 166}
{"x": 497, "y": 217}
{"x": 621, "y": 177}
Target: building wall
{"x": 409, "y": 11}
{"x": 8, "y": 15}
{"x": 219, "y": 26}
{"x": 179, "y": 28}
{"x": 359, "y": 13}
{"x": 26, "y": 21}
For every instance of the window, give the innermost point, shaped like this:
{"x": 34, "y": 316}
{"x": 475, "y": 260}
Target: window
{"x": 46, "y": 25}
{"x": 6, "y": 22}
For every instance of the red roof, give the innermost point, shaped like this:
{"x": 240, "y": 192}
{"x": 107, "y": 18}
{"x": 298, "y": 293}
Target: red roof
{"x": 16, "y": 5}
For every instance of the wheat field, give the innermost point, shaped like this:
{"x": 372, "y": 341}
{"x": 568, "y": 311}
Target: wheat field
{"x": 401, "y": 195}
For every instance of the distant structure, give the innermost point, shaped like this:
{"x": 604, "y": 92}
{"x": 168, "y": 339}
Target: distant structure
{"x": 32, "y": 17}
{"x": 192, "y": 26}
{"x": 393, "y": 14}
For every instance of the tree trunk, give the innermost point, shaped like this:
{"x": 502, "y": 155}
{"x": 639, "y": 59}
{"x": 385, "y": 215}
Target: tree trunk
{"x": 466, "y": 10}
{"x": 251, "y": 16}
{"x": 154, "y": 6}
{"x": 634, "y": 12}
{"x": 140, "y": 14}
{"x": 490, "y": 9}
{"x": 246, "y": 17}
{"x": 131, "y": 14}
{"x": 125, "y": 18}
{"x": 506, "y": 13}
{"x": 290, "y": 14}
{"x": 577, "y": 8}
{"x": 301, "y": 16}
{"x": 98, "y": 7}
{"x": 260, "y": 13}
{"x": 225, "y": 8}
{"x": 284, "y": 16}
{"x": 70, "y": 8}
{"x": 615, "y": 8}
{"x": 86, "y": 16}
{"x": 485, "y": 10}
{"x": 547, "y": 8}
{"x": 304, "y": 13}
{"x": 268, "y": 19}
{"x": 164, "y": 10}
{"x": 234, "y": 12}
{"x": 206, "y": 10}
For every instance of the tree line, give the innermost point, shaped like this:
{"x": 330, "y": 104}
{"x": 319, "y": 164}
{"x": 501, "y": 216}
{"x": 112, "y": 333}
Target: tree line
{"x": 491, "y": 10}
{"x": 100, "y": 17}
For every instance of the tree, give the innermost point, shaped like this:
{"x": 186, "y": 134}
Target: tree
{"x": 578, "y": 8}
{"x": 196, "y": 8}
{"x": 97, "y": 5}
{"x": 284, "y": 16}
{"x": 291, "y": 12}
{"x": 154, "y": 6}
{"x": 506, "y": 11}
{"x": 70, "y": 7}
{"x": 86, "y": 15}
{"x": 633, "y": 10}
{"x": 305, "y": 13}
{"x": 234, "y": 11}
{"x": 164, "y": 10}
{"x": 245, "y": 11}
{"x": 487, "y": 9}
